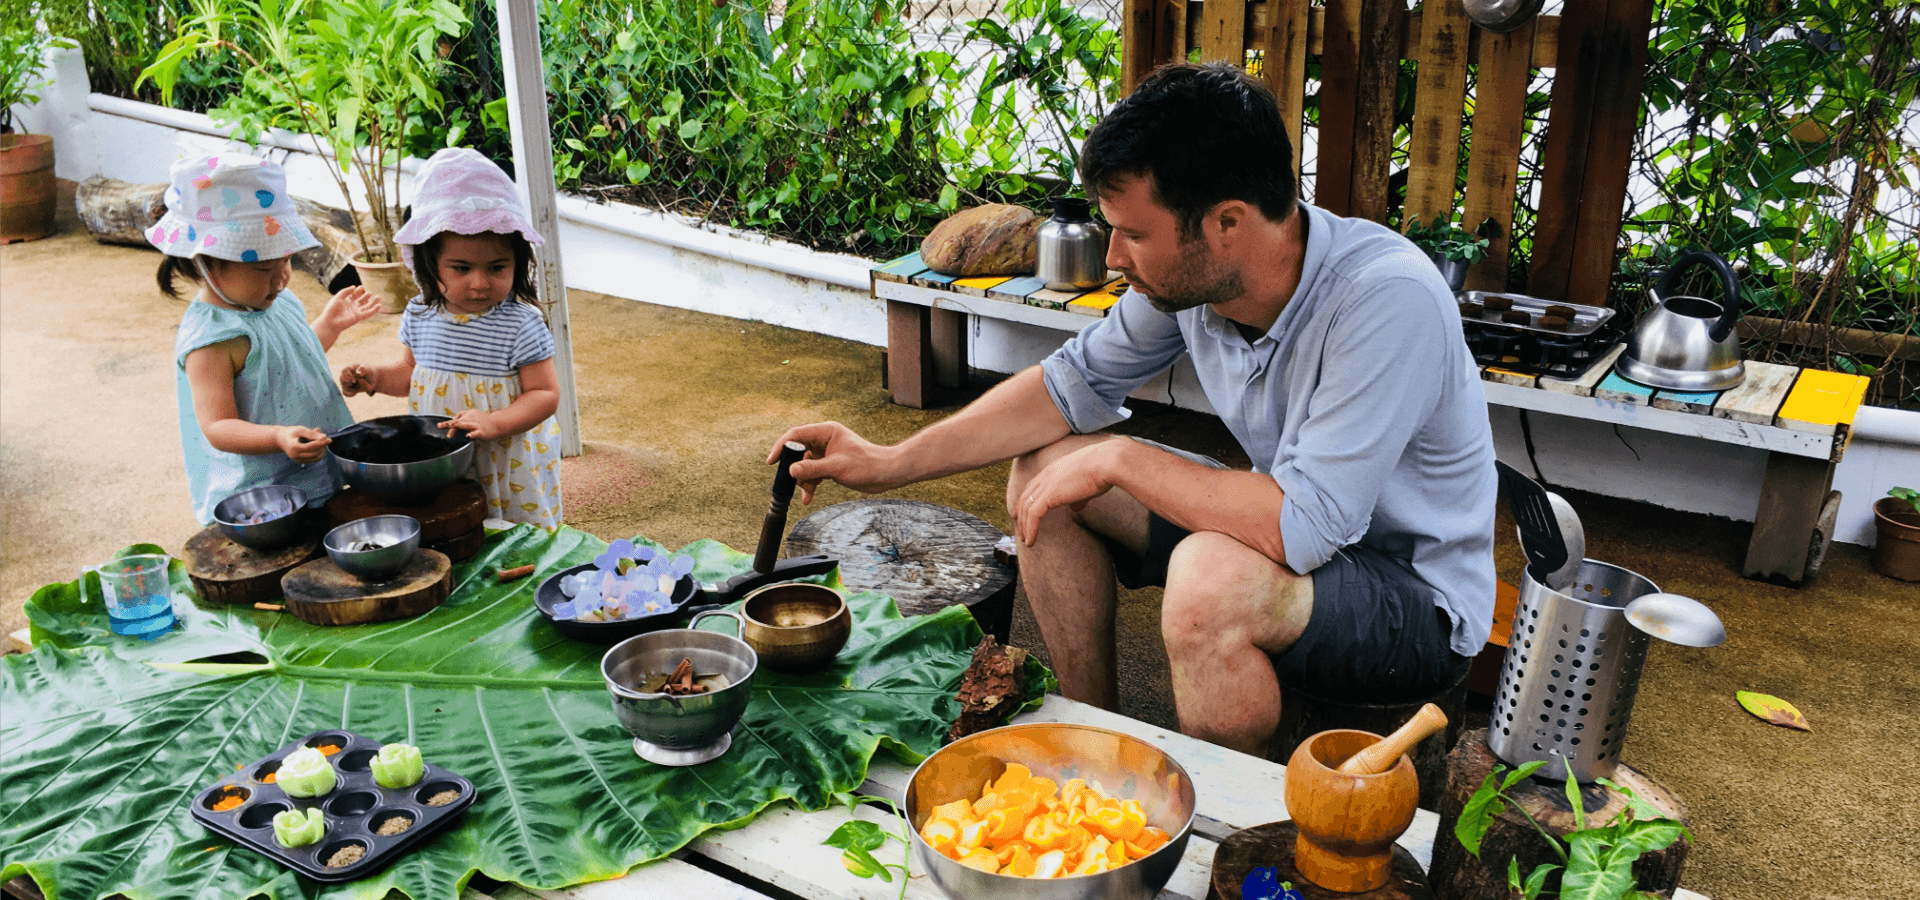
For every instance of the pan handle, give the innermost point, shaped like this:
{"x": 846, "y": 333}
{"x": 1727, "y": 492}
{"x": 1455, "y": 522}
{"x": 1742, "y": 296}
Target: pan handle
{"x": 701, "y": 612}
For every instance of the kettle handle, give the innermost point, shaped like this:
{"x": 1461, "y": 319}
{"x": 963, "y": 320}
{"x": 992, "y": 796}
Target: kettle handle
{"x": 1729, "y": 308}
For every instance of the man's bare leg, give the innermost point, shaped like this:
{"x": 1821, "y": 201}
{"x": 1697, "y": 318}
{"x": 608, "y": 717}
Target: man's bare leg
{"x": 1069, "y": 581}
{"x": 1226, "y": 608}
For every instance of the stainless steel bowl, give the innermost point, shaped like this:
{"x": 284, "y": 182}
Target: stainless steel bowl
{"x": 679, "y": 731}
{"x": 231, "y": 516}
{"x": 1125, "y": 766}
{"x": 398, "y": 537}
{"x": 363, "y": 457}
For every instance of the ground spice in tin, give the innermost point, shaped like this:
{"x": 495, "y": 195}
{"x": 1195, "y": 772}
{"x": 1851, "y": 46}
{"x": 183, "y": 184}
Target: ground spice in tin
{"x": 328, "y": 749}
{"x": 443, "y": 798}
{"x": 393, "y": 826}
{"x": 227, "y": 802}
{"x": 269, "y": 778}
{"x": 346, "y": 856}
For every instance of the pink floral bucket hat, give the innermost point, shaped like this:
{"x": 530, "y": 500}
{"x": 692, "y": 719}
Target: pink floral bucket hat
{"x": 230, "y": 206}
{"x": 461, "y": 191}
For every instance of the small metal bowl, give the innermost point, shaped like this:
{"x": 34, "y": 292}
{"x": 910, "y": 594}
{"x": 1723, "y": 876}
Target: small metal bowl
{"x": 398, "y": 537}
{"x": 797, "y": 627}
{"x": 679, "y": 731}
{"x": 1056, "y": 750}
{"x": 231, "y": 516}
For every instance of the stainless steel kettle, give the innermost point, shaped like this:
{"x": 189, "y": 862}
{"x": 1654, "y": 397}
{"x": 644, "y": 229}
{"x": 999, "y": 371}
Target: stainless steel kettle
{"x": 1071, "y": 251}
{"x": 1687, "y": 343}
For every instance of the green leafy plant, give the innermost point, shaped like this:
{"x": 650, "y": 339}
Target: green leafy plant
{"x": 359, "y": 76}
{"x": 1595, "y": 863}
{"x": 858, "y": 839}
{"x": 1441, "y": 238}
{"x": 1908, "y": 494}
{"x": 21, "y": 50}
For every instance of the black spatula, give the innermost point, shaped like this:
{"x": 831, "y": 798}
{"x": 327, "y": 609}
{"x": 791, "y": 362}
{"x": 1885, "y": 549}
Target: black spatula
{"x": 1540, "y": 538}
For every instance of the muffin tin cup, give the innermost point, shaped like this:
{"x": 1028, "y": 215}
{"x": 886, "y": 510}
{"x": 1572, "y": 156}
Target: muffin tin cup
{"x": 355, "y": 809}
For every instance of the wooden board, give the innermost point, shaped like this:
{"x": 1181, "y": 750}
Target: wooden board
{"x": 1015, "y": 290}
{"x": 1588, "y": 380}
{"x": 1620, "y": 390}
{"x": 1791, "y": 497}
{"x": 1697, "y": 402}
{"x": 1577, "y": 84}
{"x": 1821, "y": 400}
{"x": 1507, "y": 376}
{"x": 320, "y": 593}
{"x": 1434, "y": 146}
{"x": 901, "y": 270}
{"x": 1273, "y": 845}
{"x": 978, "y": 286}
{"x": 1493, "y": 159}
{"x": 461, "y": 546}
{"x": 1757, "y": 397}
{"x": 1097, "y": 301}
{"x": 1048, "y": 298}
{"x": 928, "y": 557}
{"x": 1223, "y": 31}
{"x": 459, "y": 508}
{"x": 226, "y": 572}
{"x": 1285, "y": 68}
{"x": 909, "y": 363}
{"x": 1620, "y": 65}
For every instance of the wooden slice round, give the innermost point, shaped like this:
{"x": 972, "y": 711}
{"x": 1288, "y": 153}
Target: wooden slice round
{"x": 321, "y": 593}
{"x": 459, "y": 508}
{"x": 226, "y": 572}
{"x": 926, "y": 556}
{"x": 1272, "y": 845}
{"x": 461, "y": 546}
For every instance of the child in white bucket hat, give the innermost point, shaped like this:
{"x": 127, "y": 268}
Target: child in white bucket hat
{"x": 251, "y": 373}
{"x": 476, "y": 345}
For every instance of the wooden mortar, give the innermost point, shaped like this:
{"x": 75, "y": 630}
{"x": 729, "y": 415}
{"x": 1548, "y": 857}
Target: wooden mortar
{"x": 1349, "y": 811}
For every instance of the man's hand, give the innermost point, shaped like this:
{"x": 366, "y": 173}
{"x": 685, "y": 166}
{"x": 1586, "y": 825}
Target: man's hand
{"x": 835, "y": 453}
{"x": 301, "y": 444}
{"x": 1070, "y": 481}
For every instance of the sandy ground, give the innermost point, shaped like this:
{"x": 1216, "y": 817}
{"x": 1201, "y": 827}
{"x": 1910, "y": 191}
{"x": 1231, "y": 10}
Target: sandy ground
{"x": 678, "y": 409}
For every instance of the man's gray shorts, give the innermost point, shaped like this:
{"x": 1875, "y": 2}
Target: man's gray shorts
{"x": 1377, "y": 633}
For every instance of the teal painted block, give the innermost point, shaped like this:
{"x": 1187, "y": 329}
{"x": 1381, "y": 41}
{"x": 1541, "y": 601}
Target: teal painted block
{"x": 1701, "y": 398}
{"x": 905, "y": 266}
{"x": 1615, "y": 384}
{"x": 1016, "y": 289}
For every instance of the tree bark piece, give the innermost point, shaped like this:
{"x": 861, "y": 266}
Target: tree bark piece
{"x": 1272, "y": 845}
{"x": 991, "y": 688}
{"x": 926, "y": 556}
{"x": 226, "y": 572}
{"x": 1458, "y": 876}
{"x": 321, "y": 593}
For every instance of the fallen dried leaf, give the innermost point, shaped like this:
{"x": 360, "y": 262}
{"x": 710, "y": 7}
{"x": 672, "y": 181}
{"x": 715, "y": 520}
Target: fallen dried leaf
{"x": 1773, "y": 709}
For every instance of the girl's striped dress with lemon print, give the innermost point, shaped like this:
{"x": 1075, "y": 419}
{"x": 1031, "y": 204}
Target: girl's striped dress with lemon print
{"x": 473, "y": 362}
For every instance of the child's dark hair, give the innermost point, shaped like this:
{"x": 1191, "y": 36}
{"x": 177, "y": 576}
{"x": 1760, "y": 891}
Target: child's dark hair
{"x": 426, "y": 269}
{"x": 171, "y": 266}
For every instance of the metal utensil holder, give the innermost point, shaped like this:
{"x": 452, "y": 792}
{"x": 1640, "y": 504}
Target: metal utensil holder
{"x": 1571, "y": 673}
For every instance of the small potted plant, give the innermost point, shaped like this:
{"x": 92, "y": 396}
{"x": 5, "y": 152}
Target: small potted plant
{"x": 355, "y": 75}
{"x": 28, "y": 189}
{"x": 1896, "y": 519}
{"x": 1451, "y": 249}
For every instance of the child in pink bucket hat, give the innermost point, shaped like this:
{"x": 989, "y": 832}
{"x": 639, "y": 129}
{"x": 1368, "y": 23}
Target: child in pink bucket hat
{"x": 477, "y": 347}
{"x": 251, "y": 375}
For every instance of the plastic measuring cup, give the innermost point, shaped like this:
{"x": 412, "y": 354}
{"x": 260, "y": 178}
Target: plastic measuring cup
{"x": 138, "y": 595}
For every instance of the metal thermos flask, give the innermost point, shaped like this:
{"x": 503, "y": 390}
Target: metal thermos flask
{"x": 1072, "y": 247}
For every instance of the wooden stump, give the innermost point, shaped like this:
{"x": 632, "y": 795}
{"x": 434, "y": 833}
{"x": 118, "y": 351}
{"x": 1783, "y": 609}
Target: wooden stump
{"x": 458, "y": 510}
{"x": 1272, "y": 845}
{"x": 320, "y": 593}
{"x": 1304, "y": 714}
{"x": 926, "y": 556}
{"x": 226, "y": 572}
{"x": 461, "y": 546}
{"x": 1459, "y": 876}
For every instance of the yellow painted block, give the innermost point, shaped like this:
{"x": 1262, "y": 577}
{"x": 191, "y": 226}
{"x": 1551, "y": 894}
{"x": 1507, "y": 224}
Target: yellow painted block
{"x": 978, "y": 285}
{"x": 1820, "y": 397}
{"x": 1098, "y": 300}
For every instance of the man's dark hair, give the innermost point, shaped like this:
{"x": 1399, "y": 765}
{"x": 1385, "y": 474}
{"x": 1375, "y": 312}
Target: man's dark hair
{"x": 1206, "y": 133}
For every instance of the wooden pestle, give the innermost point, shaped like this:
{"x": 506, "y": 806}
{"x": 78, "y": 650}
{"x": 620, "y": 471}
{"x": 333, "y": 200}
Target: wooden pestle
{"x": 1381, "y": 756}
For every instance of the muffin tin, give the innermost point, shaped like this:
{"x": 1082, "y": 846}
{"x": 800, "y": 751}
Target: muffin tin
{"x": 355, "y": 809}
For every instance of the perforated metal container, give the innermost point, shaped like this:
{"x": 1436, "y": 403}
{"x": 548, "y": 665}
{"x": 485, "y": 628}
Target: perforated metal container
{"x": 1572, "y": 670}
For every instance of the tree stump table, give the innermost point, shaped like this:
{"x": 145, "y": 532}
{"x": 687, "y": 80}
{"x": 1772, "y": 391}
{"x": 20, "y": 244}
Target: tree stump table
{"x": 450, "y": 522}
{"x": 926, "y": 556}
{"x": 321, "y": 593}
{"x": 226, "y": 572}
{"x": 1456, "y": 875}
{"x": 1272, "y": 845}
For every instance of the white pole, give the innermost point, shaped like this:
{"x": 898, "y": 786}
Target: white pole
{"x": 533, "y": 162}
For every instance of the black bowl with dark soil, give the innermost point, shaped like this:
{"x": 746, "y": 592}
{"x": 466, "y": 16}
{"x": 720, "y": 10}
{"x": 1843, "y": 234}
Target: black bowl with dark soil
{"x": 368, "y": 826}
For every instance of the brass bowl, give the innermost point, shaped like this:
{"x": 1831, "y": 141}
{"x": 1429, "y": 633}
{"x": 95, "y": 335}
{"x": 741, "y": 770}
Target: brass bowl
{"x": 796, "y": 627}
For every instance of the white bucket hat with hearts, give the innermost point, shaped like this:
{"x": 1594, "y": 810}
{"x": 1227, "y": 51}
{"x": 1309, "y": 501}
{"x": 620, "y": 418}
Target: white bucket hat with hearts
{"x": 230, "y": 206}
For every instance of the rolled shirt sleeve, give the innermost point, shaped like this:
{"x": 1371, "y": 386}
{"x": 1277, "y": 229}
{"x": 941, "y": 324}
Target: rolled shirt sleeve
{"x": 1092, "y": 374}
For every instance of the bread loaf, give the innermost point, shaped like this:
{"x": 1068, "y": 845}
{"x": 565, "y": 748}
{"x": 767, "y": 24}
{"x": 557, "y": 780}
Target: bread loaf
{"x": 996, "y": 239}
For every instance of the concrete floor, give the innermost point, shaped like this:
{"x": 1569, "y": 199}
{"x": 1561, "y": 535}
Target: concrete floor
{"x": 678, "y": 409}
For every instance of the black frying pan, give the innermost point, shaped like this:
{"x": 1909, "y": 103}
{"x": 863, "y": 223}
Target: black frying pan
{"x": 548, "y": 595}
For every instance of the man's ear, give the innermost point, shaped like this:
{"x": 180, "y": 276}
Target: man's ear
{"x": 1227, "y": 219}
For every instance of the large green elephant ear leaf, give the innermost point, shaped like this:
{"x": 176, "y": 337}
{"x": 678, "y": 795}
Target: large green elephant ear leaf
{"x": 101, "y": 752}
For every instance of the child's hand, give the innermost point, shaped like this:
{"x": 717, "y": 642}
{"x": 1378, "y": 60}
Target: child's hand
{"x": 477, "y": 424}
{"x": 302, "y": 444}
{"x": 356, "y": 379}
{"x": 350, "y": 307}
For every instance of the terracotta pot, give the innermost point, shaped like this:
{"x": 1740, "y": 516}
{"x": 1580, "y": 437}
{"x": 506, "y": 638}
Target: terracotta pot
{"x": 1897, "y": 552}
{"x": 392, "y": 281}
{"x": 28, "y": 190}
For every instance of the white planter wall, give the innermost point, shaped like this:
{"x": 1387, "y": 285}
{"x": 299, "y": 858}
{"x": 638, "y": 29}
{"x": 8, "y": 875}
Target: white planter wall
{"x": 663, "y": 259}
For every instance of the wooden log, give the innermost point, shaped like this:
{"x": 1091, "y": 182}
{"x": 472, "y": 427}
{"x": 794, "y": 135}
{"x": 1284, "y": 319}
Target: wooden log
{"x": 458, "y": 510}
{"x": 926, "y": 556}
{"x": 1304, "y": 714}
{"x": 461, "y": 546}
{"x": 1457, "y": 876}
{"x": 120, "y": 212}
{"x": 226, "y": 572}
{"x": 321, "y": 593}
{"x": 1273, "y": 845}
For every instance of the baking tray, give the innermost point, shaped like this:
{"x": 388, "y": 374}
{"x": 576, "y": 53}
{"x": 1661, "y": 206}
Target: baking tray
{"x": 1586, "y": 319}
{"x": 354, "y": 809}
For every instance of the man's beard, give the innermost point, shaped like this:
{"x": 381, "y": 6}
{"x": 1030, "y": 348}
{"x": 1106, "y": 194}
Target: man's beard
{"x": 1200, "y": 281}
